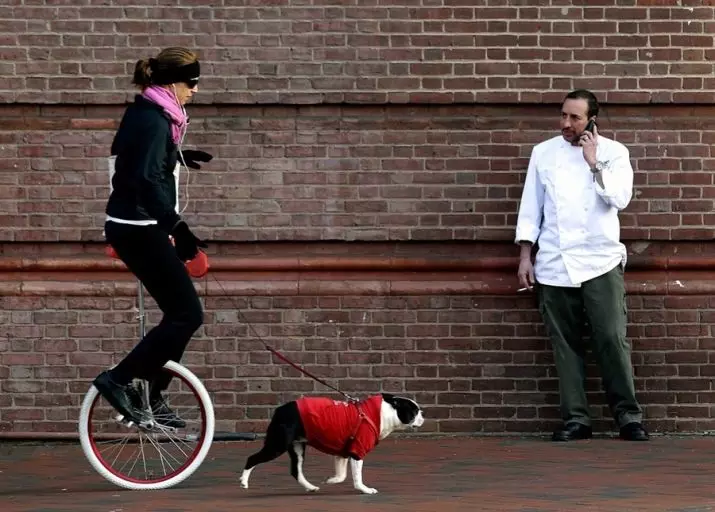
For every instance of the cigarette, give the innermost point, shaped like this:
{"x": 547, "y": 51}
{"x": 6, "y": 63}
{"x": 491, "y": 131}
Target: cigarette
{"x": 523, "y": 289}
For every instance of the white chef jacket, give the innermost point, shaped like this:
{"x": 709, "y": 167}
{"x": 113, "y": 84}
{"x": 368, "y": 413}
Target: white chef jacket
{"x": 574, "y": 220}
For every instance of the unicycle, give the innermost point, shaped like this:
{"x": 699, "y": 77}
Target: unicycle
{"x": 161, "y": 452}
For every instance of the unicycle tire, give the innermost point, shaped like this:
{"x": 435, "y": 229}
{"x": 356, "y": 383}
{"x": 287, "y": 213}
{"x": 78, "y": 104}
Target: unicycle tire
{"x": 172, "y": 443}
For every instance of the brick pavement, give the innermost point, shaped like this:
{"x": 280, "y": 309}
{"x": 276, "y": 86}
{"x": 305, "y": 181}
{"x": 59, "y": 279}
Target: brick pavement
{"x": 416, "y": 474}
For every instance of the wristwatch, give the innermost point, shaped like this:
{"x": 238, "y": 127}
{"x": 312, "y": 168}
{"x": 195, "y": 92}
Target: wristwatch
{"x": 599, "y": 166}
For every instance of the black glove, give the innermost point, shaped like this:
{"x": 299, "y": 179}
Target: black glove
{"x": 191, "y": 156}
{"x": 187, "y": 244}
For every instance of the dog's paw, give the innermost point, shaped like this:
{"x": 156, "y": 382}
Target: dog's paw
{"x": 312, "y": 488}
{"x": 367, "y": 490}
{"x": 335, "y": 480}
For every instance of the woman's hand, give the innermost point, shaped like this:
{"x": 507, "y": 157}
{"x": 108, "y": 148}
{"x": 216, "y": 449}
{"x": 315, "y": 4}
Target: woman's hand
{"x": 192, "y": 156}
{"x": 187, "y": 244}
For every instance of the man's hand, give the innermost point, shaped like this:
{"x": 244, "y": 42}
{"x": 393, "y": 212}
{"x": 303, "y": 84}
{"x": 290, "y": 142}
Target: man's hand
{"x": 526, "y": 273}
{"x": 589, "y": 143}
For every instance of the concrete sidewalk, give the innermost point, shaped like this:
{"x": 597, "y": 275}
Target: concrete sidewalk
{"x": 412, "y": 474}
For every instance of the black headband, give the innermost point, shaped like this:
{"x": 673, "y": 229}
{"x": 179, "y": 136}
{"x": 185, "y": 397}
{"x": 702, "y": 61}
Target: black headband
{"x": 186, "y": 73}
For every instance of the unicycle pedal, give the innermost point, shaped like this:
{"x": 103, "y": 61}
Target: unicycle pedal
{"x": 145, "y": 424}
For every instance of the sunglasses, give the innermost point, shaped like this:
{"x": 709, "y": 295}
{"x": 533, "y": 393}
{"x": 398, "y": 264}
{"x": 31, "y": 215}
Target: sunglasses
{"x": 192, "y": 82}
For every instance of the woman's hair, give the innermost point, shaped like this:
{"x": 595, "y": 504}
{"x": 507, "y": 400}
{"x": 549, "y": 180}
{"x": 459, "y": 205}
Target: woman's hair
{"x": 156, "y": 70}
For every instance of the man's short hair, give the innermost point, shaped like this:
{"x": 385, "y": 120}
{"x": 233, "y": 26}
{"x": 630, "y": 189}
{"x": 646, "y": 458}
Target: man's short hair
{"x": 585, "y": 94}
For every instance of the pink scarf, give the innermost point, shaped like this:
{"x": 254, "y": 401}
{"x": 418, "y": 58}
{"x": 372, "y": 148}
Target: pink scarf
{"x": 165, "y": 99}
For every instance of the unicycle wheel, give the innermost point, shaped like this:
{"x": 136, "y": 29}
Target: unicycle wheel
{"x": 159, "y": 453}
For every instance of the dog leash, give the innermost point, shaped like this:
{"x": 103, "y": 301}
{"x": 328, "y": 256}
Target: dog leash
{"x": 202, "y": 266}
{"x": 276, "y": 352}
{"x": 362, "y": 417}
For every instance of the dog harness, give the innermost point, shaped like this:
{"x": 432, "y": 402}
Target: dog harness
{"x": 341, "y": 428}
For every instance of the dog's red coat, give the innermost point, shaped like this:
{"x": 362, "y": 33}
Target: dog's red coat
{"x": 329, "y": 425}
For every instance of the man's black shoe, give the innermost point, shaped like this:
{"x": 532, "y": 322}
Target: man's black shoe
{"x": 572, "y": 432}
{"x": 633, "y": 431}
{"x": 120, "y": 397}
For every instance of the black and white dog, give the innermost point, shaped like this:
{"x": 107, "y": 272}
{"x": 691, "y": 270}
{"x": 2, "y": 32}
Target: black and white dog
{"x": 346, "y": 430}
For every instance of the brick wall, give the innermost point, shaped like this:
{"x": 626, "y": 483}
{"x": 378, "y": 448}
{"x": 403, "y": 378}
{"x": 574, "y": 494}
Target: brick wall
{"x": 389, "y": 125}
{"x": 401, "y": 52}
{"x": 353, "y": 172}
{"x": 468, "y": 348}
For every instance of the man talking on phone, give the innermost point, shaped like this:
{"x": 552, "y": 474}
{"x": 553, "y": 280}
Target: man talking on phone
{"x": 576, "y": 183}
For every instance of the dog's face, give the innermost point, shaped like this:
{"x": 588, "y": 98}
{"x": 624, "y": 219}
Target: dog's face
{"x": 407, "y": 411}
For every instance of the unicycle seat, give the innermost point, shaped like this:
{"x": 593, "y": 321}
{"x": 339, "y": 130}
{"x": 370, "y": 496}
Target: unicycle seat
{"x": 197, "y": 267}
{"x": 110, "y": 252}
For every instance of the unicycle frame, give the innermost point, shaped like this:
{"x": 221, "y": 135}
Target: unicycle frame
{"x": 142, "y": 330}
{"x": 140, "y": 306}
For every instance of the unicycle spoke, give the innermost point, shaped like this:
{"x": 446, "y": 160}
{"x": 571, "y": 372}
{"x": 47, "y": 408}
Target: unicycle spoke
{"x": 158, "y": 453}
{"x": 161, "y": 450}
{"x": 121, "y": 448}
{"x": 134, "y": 463}
{"x": 178, "y": 442}
{"x": 144, "y": 461}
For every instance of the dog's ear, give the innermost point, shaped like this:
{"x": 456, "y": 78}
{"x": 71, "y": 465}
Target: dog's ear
{"x": 387, "y": 397}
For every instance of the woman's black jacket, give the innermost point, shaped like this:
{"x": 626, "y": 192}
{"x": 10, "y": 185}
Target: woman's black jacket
{"x": 143, "y": 182}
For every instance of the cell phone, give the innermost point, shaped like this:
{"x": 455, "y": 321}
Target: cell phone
{"x": 590, "y": 125}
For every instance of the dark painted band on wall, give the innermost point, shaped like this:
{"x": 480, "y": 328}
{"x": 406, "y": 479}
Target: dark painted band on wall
{"x": 343, "y": 263}
{"x": 337, "y": 283}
